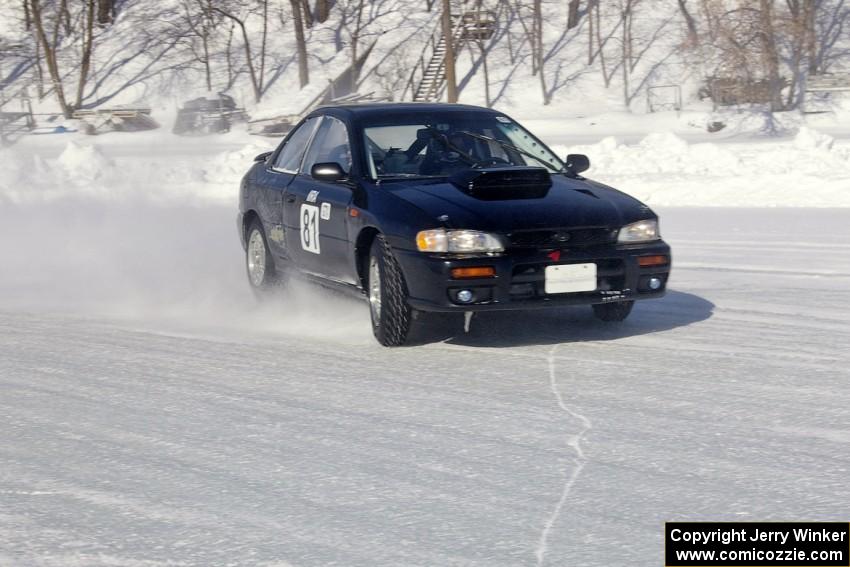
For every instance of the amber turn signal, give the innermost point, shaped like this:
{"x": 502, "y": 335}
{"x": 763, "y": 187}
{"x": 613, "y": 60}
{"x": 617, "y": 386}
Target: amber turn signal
{"x": 648, "y": 261}
{"x": 475, "y": 272}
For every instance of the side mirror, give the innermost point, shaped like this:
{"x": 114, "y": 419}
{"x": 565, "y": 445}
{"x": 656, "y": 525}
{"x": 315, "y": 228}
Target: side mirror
{"x": 263, "y": 156}
{"x": 330, "y": 171}
{"x": 576, "y": 163}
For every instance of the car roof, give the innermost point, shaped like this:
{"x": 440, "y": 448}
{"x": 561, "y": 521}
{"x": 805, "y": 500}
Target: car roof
{"x": 362, "y": 110}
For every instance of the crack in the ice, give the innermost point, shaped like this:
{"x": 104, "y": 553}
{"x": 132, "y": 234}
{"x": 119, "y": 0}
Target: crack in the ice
{"x": 574, "y": 442}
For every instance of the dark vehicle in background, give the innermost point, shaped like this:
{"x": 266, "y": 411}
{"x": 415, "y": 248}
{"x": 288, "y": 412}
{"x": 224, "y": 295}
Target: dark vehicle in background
{"x": 441, "y": 208}
{"x": 201, "y": 116}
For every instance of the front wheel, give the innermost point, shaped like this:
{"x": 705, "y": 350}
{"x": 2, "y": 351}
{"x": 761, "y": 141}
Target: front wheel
{"x": 391, "y": 314}
{"x": 259, "y": 263}
{"x": 613, "y": 312}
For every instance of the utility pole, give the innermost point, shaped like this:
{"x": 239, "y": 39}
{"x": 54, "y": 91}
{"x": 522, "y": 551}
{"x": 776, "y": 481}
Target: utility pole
{"x": 451, "y": 81}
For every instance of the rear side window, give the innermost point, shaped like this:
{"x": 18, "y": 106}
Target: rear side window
{"x": 329, "y": 145}
{"x": 289, "y": 157}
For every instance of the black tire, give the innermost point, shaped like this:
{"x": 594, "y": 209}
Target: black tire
{"x": 263, "y": 279}
{"x": 392, "y": 316}
{"x": 613, "y": 312}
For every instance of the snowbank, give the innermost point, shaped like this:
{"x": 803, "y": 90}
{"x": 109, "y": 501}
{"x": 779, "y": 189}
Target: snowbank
{"x": 192, "y": 171}
{"x": 810, "y": 169}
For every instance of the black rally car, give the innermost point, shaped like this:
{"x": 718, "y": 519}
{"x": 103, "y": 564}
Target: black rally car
{"x": 435, "y": 207}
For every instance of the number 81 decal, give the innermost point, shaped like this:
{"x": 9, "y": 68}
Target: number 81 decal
{"x": 310, "y": 228}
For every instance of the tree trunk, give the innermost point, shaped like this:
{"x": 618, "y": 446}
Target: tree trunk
{"x": 486, "y": 71}
{"x": 306, "y": 13}
{"x": 26, "y": 15}
{"x": 301, "y": 44}
{"x": 572, "y": 13}
{"x": 323, "y": 10}
{"x": 810, "y": 11}
{"x": 600, "y": 51}
{"x": 451, "y": 80}
{"x": 231, "y": 76}
{"x": 105, "y": 11}
{"x": 64, "y": 17}
{"x": 262, "y": 75}
{"x": 255, "y": 83}
{"x": 205, "y": 42}
{"x": 624, "y": 44}
{"x": 537, "y": 52}
{"x": 39, "y": 71}
{"x": 355, "y": 44}
{"x": 590, "y": 52}
{"x": 770, "y": 54}
{"x": 87, "y": 47}
{"x": 49, "y": 56}
{"x": 252, "y": 71}
{"x": 693, "y": 36}
{"x": 483, "y": 51}
{"x": 798, "y": 45}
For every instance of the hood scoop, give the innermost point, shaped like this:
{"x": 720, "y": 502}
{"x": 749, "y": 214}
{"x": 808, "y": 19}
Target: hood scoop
{"x": 503, "y": 183}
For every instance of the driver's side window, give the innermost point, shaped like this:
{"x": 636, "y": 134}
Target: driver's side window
{"x": 289, "y": 158}
{"x": 330, "y": 145}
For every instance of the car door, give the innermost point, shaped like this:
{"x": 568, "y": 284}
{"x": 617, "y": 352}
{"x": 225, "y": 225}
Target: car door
{"x": 276, "y": 177}
{"x": 316, "y": 212}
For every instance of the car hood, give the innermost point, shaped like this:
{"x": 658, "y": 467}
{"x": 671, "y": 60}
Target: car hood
{"x": 568, "y": 203}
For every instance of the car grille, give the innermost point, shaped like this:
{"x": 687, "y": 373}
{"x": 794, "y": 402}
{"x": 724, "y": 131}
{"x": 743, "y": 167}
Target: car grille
{"x": 562, "y": 238}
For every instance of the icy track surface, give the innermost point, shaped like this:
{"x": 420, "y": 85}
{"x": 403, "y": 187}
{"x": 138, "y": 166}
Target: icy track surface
{"x": 152, "y": 414}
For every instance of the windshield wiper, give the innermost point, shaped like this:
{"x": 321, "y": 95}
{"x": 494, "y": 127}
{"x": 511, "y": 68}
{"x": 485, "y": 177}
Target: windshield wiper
{"x": 510, "y": 147}
{"x": 442, "y": 138}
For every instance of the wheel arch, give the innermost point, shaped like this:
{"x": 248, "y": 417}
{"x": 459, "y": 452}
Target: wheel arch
{"x": 361, "y": 252}
{"x": 247, "y": 220}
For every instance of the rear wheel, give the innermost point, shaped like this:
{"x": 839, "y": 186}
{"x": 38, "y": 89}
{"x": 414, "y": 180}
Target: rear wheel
{"x": 613, "y": 311}
{"x": 262, "y": 274}
{"x": 391, "y": 314}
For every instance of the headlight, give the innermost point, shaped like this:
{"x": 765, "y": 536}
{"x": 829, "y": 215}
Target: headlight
{"x": 458, "y": 241}
{"x": 641, "y": 231}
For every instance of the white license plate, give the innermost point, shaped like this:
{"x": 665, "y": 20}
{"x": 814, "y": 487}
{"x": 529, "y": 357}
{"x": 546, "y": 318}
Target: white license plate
{"x": 570, "y": 278}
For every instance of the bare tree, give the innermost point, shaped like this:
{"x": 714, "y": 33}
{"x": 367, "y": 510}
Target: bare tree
{"x": 482, "y": 50}
{"x": 323, "y": 10}
{"x": 451, "y": 79}
{"x": 300, "y": 43}
{"x": 573, "y": 13}
{"x": 534, "y": 35}
{"x": 27, "y": 19}
{"x": 770, "y": 54}
{"x": 828, "y": 44}
{"x": 352, "y": 22}
{"x": 256, "y": 76}
{"x": 199, "y": 20}
{"x": 87, "y": 46}
{"x": 690, "y": 22}
{"x": 48, "y": 50}
{"x": 105, "y": 11}
{"x": 537, "y": 49}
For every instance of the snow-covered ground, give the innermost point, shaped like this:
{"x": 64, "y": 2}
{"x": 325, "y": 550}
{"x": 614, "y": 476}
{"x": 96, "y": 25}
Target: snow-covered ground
{"x": 152, "y": 413}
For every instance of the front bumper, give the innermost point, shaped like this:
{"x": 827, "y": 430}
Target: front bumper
{"x": 519, "y": 279}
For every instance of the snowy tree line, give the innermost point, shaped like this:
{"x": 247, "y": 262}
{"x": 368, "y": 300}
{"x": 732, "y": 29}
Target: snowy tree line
{"x": 83, "y": 53}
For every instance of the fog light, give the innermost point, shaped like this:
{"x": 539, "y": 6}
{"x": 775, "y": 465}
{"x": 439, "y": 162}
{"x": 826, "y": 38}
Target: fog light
{"x": 465, "y": 296}
{"x": 653, "y": 283}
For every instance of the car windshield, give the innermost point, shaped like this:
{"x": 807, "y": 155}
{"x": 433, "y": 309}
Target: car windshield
{"x": 437, "y": 146}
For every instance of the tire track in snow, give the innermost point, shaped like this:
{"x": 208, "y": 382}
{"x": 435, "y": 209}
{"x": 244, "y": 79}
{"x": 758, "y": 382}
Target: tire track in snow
{"x": 574, "y": 442}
